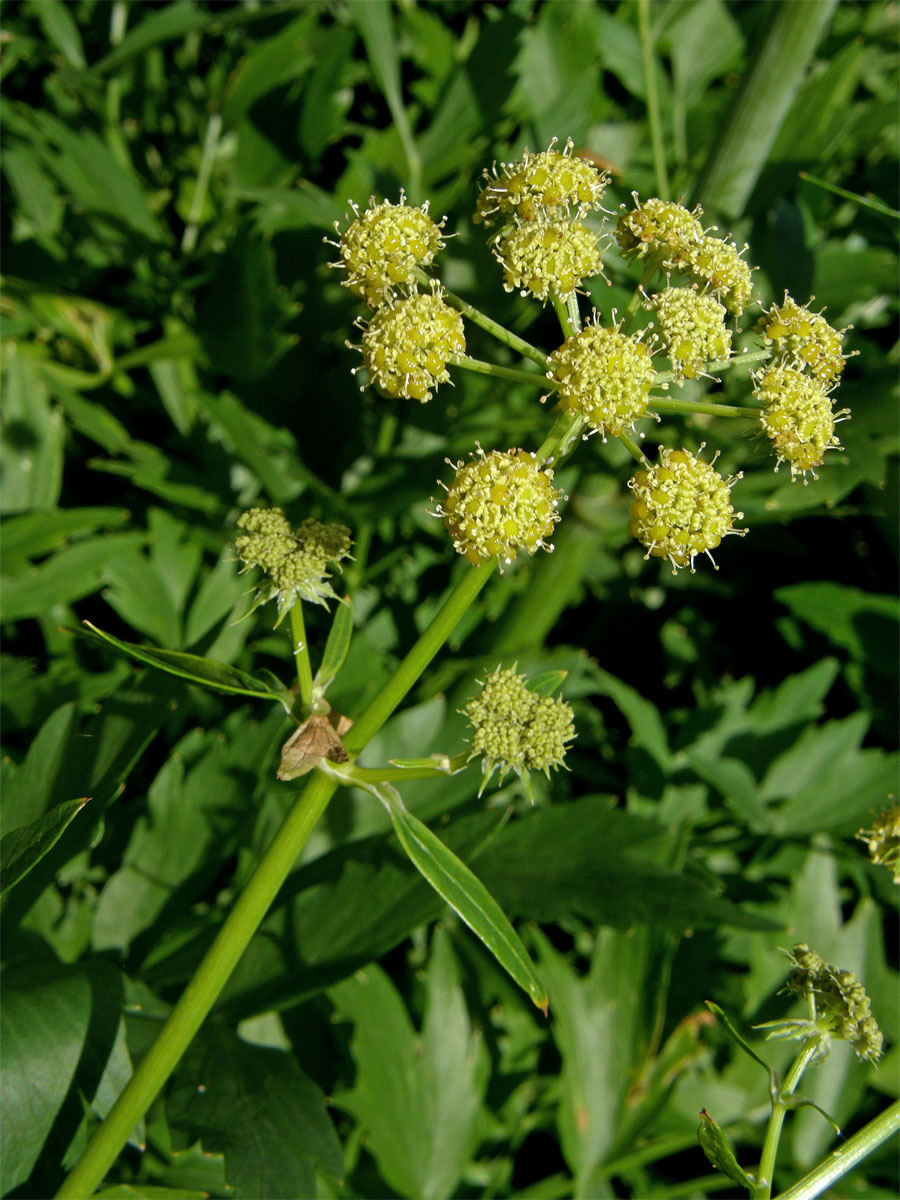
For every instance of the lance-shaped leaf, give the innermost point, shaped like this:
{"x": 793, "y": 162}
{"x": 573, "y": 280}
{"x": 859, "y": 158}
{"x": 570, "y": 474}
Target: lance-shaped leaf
{"x": 204, "y": 671}
{"x": 465, "y": 893}
{"x": 336, "y": 647}
{"x": 21, "y": 849}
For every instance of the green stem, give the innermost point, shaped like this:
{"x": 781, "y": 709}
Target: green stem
{"x": 736, "y": 360}
{"x": 653, "y": 113}
{"x": 766, "y": 1172}
{"x": 300, "y": 648}
{"x": 202, "y": 992}
{"x": 633, "y": 449}
{"x": 665, "y": 404}
{"x": 514, "y": 374}
{"x": 500, "y": 332}
{"x": 210, "y": 142}
{"x": 415, "y": 662}
{"x": 637, "y": 296}
{"x": 564, "y": 432}
{"x": 350, "y": 773}
{"x": 118, "y": 22}
{"x": 854, "y": 1150}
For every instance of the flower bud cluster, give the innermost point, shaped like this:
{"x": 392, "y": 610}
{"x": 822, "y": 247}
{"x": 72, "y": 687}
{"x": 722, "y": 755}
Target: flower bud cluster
{"x": 381, "y": 247}
{"x": 294, "y": 560}
{"x": 409, "y": 341}
{"x": 499, "y": 503}
{"x": 515, "y": 729}
{"x": 603, "y": 375}
{"x": 671, "y": 238}
{"x": 543, "y": 246}
{"x": 804, "y": 340}
{"x": 692, "y": 328}
{"x": 842, "y": 1007}
{"x": 883, "y": 840}
{"x": 798, "y": 413}
{"x": 798, "y": 418}
{"x": 682, "y": 508}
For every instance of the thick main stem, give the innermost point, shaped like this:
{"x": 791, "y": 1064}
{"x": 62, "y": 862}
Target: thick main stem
{"x": 845, "y": 1158}
{"x": 202, "y": 992}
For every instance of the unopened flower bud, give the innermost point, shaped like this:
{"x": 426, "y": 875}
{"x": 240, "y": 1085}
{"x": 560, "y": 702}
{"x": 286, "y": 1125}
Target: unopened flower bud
{"x": 551, "y": 184}
{"x": 804, "y": 340}
{"x": 408, "y": 343}
{"x": 380, "y": 248}
{"x": 498, "y": 504}
{"x": 603, "y": 375}
{"x": 544, "y": 257}
{"x": 516, "y": 729}
{"x": 692, "y": 328}
{"x": 682, "y": 508}
{"x": 798, "y": 417}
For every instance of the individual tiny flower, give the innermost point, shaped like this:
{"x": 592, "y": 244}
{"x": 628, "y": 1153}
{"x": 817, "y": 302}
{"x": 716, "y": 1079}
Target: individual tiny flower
{"x": 382, "y": 246}
{"x": 540, "y": 257}
{"x": 692, "y": 328}
{"x": 499, "y": 503}
{"x": 658, "y": 230}
{"x": 295, "y": 561}
{"x": 603, "y": 375}
{"x": 682, "y": 508}
{"x": 408, "y": 342}
{"x": 539, "y": 186}
{"x": 803, "y": 339}
{"x": 716, "y": 264}
{"x": 838, "y": 1001}
{"x": 515, "y": 729}
{"x": 798, "y": 417}
{"x": 883, "y": 840}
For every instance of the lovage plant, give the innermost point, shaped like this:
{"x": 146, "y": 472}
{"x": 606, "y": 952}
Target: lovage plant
{"x": 692, "y": 316}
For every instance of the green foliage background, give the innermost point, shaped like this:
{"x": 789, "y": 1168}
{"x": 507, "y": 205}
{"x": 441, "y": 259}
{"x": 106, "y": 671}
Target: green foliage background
{"x": 174, "y": 352}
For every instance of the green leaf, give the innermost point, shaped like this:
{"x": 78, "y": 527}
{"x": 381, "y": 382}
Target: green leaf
{"x": 256, "y": 1106}
{"x": 279, "y": 210}
{"x": 417, "y": 1099}
{"x": 148, "y": 1191}
{"x": 31, "y": 442}
{"x": 715, "y": 1146}
{"x": 274, "y": 61}
{"x": 336, "y": 646}
{"x": 546, "y": 683}
{"x": 22, "y": 848}
{"x": 66, "y": 576}
{"x": 39, "y": 207}
{"x": 646, "y": 723}
{"x": 59, "y": 25}
{"x": 738, "y": 786}
{"x": 203, "y": 671}
{"x": 464, "y": 893}
{"x": 44, "y": 1024}
{"x": 175, "y": 20}
{"x": 36, "y": 534}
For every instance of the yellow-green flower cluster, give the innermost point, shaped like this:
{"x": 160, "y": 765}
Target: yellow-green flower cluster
{"x": 681, "y": 508}
{"x": 382, "y": 246}
{"x": 542, "y": 245}
{"x": 842, "y": 1008}
{"x": 545, "y": 185}
{"x": 692, "y": 328}
{"x": 544, "y": 257}
{"x": 658, "y": 230}
{"x": 716, "y": 264}
{"x": 603, "y": 375}
{"x": 295, "y": 561}
{"x": 408, "y": 343}
{"x": 671, "y": 238}
{"x": 498, "y": 504}
{"x": 803, "y": 339}
{"x": 883, "y": 840}
{"x": 798, "y": 418}
{"x": 515, "y": 729}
